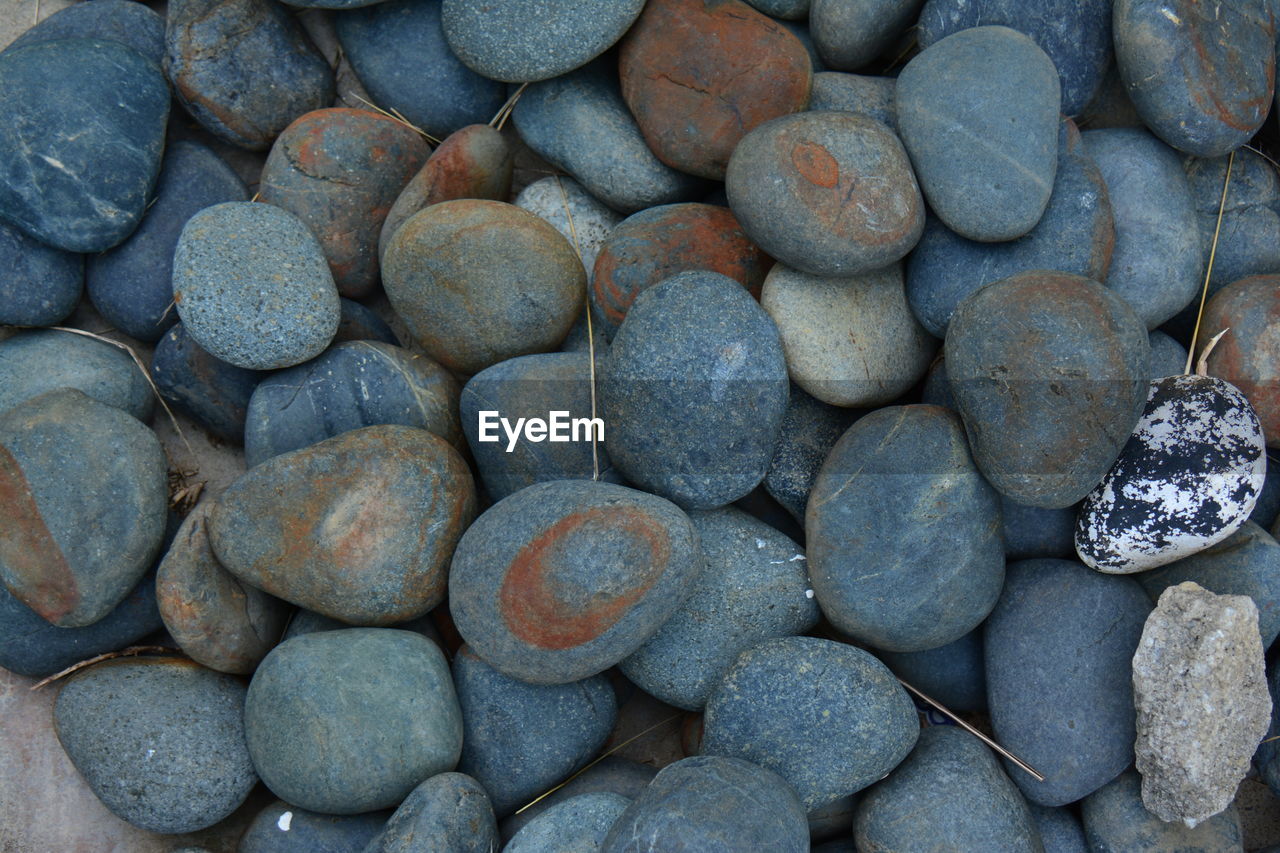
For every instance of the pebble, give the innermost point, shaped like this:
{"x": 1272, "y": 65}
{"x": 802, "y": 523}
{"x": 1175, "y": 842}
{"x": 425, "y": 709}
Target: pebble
{"x": 1168, "y": 357}
{"x": 791, "y": 10}
{"x": 1157, "y": 265}
{"x": 579, "y": 123}
{"x": 227, "y": 258}
{"x": 216, "y": 620}
{"x": 37, "y": 361}
{"x": 856, "y": 93}
{"x": 1248, "y": 356}
{"x": 447, "y": 812}
{"x": 949, "y": 793}
{"x": 310, "y": 622}
{"x": 520, "y": 740}
{"x": 132, "y": 284}
{"x": 1032, "y": 531}
{"x": 478, "y": 282}
{"x": 1060, "y": 829}
{"x": 350, "y": 385}
{"x": 575, "y": 213}
{"x": 609, "y": 775}
{"x": 649, "y": 247}
{"x": 709, "y": 802}
{"x": 1073, "y": 363}
{"x": 1186, "y": 480}
{"x": 850, "y": 34}
{"x": 212, "y": 392}
{"x": 1076, "y": 234}
{"x": 532, "y": 386}
{"x": 810, "y": 429}
{"x": 359, "y": 527}
{"x": 1116, "y": 821}
{"x": 904, "y": 563}
{"x": 344, "y": 722}
{"x": 125, "y": 21}
{"x": 518, "y": 41}
{"x": 339, "y": 171}
{"x": 358, "y": 323}
{"x": 395, "y": 46}
{"x": 160, "y": 741}
{"x": 473, "y": 162}
{"x": 694, "y": 410}
{"x": 1059, "y": 647}
{"x": 1202, "y": 80}
{"x": 849, "y": 341}
{"x": 282, "y": 828}
{"x": 83, "y": 495}
{"x": 1249, "y": 241}
{"x": 1202, "y": 701}
{"x": 753, "y": 587}
{"x": 699, "y": 77}
{"x": 1077, "y": 36}
{"x": 244, "y": 69}
{"x": 42, "y": 284}
{"x": 790, "y": 182}
{"x": 978, "y": 113}
{"x": 584, "y": 573}
{"x": 828, "y": 718}
{"x": 577, "y": 825}
{"x": 953, "y": 674}
{"x": 80, "y": 163}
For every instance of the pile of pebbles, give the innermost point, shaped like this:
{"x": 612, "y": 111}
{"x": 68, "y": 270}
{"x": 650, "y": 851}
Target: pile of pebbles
{"x": 919, "y": 364}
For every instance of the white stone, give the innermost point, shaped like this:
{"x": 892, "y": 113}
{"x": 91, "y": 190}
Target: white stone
{"x": 557, "y": 199}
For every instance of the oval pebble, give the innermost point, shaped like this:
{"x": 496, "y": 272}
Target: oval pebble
{"x": 562, "y": 580}
{"x": 579, "y": 216}
{"x": 953, "y": 674}
{"x": 41, "y": 285}
{"x": 1115, "y": 820}
{"x": 856, "y": 93}
{"x": 41, "y": 360}
{"x": 577, "y": 825}
{"x": 344, "y": 722}
{"x": 850, "y": 34}
{"x": 610, "y": 775}
{"x": 227, "y": 258}
{"x": 212, "y": 392}
{"x": 1248, "y": 356}
{"x": 449, "y": 812}
{"x": 132, "y": 24}
{"x": 809, "y": 431}
{"x": 1060, "y": 829}
{"x": 358, "y": 323}
{"x": 282, "y": 828}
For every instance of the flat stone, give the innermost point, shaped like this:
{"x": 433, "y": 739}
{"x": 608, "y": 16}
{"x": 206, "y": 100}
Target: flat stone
{"x": 1116, "y": 819}
{"x": 519, "y": 41}
{"x": 1202, "y": 701}
{"x": 449, "y": 811}
{"x": 699, "y": 77}
{"x": 344, "y": 722}
{"x": 850, "y": 34}
{"x": 41, "y": 360}
{"x": 132, "y": 24}
{"x": 577, "y": 825}
{"x": 132, "y": 285}
{"x": 1186, "y": 480}
{"x": 359, "y": 527}
{"x": 520, "y": 740}
{"x": 212, "y": 392}
{"x": 562, "y": 580}
{"x": 244, "y": 69}
{"x": 80, "y": 157}
{"x": 42, "y": 284}
{"x": 228, "y": 256}
{"x": 359, "y": 323}
{"x": 978, "y": 112}
{"x": 282, "y": 828}
{"x": 65, "y": 458}
{"x": 1248, "y": 356}
{"x": 161, "y": 741}
{"x": 827, "y": 717}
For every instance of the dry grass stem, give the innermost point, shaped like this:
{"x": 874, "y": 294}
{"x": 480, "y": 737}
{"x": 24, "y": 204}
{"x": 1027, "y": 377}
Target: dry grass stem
{"x": 129, "y": 652}
{"x": 1202, "y": 366}
{"x": 591, "y": 334}
{"x": 504, "y": 112}
{"x": 395, "y": 115}
{"x": 1213, "y": 251}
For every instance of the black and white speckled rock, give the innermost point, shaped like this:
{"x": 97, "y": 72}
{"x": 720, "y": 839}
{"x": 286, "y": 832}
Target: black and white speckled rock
{"x": 1187, "y": 478}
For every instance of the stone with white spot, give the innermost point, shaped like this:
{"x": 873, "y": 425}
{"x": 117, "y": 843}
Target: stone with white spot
{"x": 1187, "y": 479}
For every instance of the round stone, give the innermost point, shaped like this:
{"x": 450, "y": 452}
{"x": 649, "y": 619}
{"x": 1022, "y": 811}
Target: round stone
{"x": 213, "y": 393}
{"x": 252, "y": 286}
{"x": 132, "y": 24}
{"x": 282, "y": 828}
{"x": 41, "y": 360}
{"x": 1248, "y": 355}
{"x": 42, "y": 284}
{"x": 952, "y": 674}
{"x": 856, "y": 93}
{"x": 1115, "y": 818}
{"x": 451, "y": 810}
{"x": 577, "y": 825}
{"x": 850, "y": 34}
{"x": 809, "y": 431}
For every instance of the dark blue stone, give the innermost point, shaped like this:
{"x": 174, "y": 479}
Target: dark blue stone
{"x": 1032, "y": 531}
{"x": 352, "y": 385}
{"x": 1060, "y": 830}
{"x": 694, "y": 391}
{"x": 577, "y": 824}
{"x": 41, "y": 284}
{"x": 1059, "y": 652}
{"x": 282, "y": 828}
{"x": 41, "y": 360}
{"x": 1267, "y": 509}
{"x": 399, "y": 52}
{"x": 448, "y": 812}
{"x": 714, "y": 804}
{"x": 1076, "y": 35}
{"x": 852, "y": 33}
{"x": 519, "y": 740}
{"x": 80, "y": 149}
{"x": 1116, "y": 821}
{"x": 358, "y": 323}
{"x": 132, "y": 285}
{"x": 213, "y": 393}
{"x": 809, "y": 430}
{"x": 954, "y": 674}
{"x": 1168, "y": 357}
{"x": 125, "y": 21}
{"x": 611, "y": 775}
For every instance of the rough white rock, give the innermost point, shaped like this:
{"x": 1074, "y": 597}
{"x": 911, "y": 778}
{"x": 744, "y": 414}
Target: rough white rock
{"x": 556, "y": 199}
{"x": 1200, "y": 692}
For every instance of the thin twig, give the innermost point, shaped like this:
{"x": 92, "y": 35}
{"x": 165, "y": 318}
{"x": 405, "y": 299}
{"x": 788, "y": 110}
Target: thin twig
{"x": 591, "y": 335}
{"x": 593, "y": 763}
{"x": 1036, "y": 774}
{"x": 1202, "y": 366}
{"x": 395, "y": 115}
{"x": 1213, "y": 251}
{"x": 505, "y": 111}
{"x": 76, "y": 667}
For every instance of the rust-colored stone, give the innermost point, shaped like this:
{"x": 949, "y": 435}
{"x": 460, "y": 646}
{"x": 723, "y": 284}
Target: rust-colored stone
{"x": 1248, "y": 355}
{"x": 48, "y": 585}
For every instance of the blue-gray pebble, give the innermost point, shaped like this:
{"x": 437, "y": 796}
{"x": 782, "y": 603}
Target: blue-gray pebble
{"x": 978, "y": 113}
{"x": 447, "y": 812}
{"x": 126, "y": 21}
{"x": 1059, "y": 651}
{"x": 159, "y": 740}
{"x": 827, "y": 717}
{"x": 809, "y": 430}
{"x": 609, "y": 775}
{"x": 360, "y": 323}
{"x": 41, "y": 360}
{"x": 1033, "y": 531}
{"x": 1060, "y": 829}
{"x": 519, "y": 739}
{"x": 41, "y": 285}
{"x": 855, "y": 93}
{"x": 949, "y": 793}
{"x": 132, "y": 285}
{"x": 1249, "y": 242}
{"x": 850, "y": 34}
{"x": 1116, "y": 821}
{"x": 252, "y": 286}
{"x": 694, "y": 390}
{"x": 213, "y": 393}
{"x": 282, "y": 828}
{"x": 954, "y": 674}
{"x": 577, "y": 825}
{"x": 1168, "y": 357}
{"x": 752, "y": 587}
{"x": 78, "y": 160}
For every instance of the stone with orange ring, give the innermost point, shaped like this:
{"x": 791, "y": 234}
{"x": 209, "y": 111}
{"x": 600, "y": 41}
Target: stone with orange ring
{"x": 339, "y": 171}
{"x": 655, "y": 244}
{"x": 564, "y": 579}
